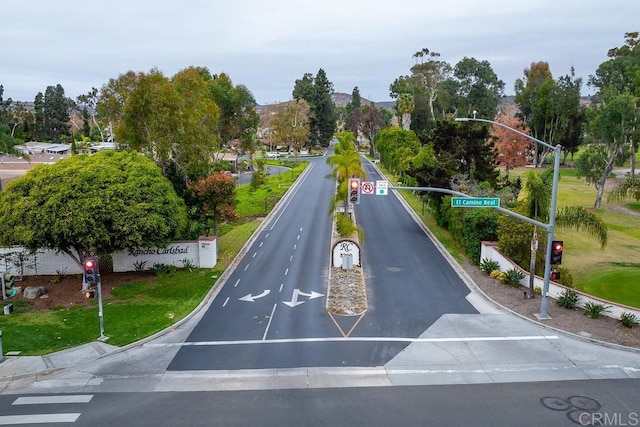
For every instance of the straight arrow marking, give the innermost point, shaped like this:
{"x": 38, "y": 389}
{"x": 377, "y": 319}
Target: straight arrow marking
{"x": 296, "y": 293}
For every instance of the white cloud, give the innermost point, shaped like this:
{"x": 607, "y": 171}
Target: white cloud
{"x": 267, "y": 45}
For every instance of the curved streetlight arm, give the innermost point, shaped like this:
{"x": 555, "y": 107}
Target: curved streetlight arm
{"x": 468, "y": 119}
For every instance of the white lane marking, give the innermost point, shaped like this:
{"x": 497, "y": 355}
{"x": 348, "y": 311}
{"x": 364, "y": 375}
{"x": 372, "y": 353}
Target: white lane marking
{"x": 225, "y": 302}
{"x": 266, "y": 235}
{"x": 359, "y": 339}
{"x": 298, "y": 237}
{"x": 286, "y": 272}
{"x": 264, "y": 337}
{"x": 6, "y": 420}
{"x": 238, "y": 281}
{"x": 294, "y": 247}
{"x": 247, "y": 267}
{"x": 39, "y": 400}
{"x": 301, "y": 229}
{"x": 254, "y": 254}
{"x": 281, "y": 286}
{"x": 291, "y": 258}
{"x": 304, "y": 176}
{"x": 260, "y": 245}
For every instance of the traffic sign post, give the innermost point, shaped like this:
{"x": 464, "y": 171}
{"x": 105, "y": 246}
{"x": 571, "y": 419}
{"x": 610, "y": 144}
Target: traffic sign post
{"x": 367, "y": 187}
{"x": 475, "y": 202}
{"x": 382, "y": 188}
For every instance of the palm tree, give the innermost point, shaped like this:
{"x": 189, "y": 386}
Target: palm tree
{"x": 627, "y": 189}
{"x": 346, "y": 164}
{"x": 537, "y": 201}
{"x": 405, "y": 107}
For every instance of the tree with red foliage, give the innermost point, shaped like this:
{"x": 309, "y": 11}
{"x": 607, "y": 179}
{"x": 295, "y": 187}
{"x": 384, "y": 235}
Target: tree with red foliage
{"x": 512, "y": 148}
{"x": 216, "y": 195}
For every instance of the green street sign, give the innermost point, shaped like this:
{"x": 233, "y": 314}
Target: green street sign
{"x": 475, "y": 202}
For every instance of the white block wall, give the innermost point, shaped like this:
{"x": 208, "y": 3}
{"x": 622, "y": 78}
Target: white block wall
{"x": 490, "y": 251}
{"x": 201, "y": 254}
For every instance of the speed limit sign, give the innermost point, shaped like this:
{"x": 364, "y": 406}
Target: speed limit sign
{"x": 367, "y": 187}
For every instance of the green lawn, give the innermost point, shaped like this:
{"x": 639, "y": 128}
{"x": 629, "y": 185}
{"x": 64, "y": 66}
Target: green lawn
{"x": 140, "y": 309}
{"x": 611, "y": 273}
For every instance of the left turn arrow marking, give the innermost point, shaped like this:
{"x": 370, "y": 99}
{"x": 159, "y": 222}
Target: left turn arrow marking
{"x": 252, "y": 298}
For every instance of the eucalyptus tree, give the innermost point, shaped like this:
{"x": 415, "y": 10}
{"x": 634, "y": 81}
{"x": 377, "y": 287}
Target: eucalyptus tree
{"x": 549, "y": 108}
{"x": 290, "y": 124}
{"x": 372, "y": 122}
{"x": 238, "y": 117}
{"x": 621, "y": 74}
{"x": 613, "y": 123}
{"x": 425, "y": 82}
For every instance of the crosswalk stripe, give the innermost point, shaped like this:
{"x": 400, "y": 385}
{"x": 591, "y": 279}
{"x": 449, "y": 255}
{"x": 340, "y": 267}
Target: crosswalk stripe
{"x": 38, "y": 418}
{"x": 40, "y": 400}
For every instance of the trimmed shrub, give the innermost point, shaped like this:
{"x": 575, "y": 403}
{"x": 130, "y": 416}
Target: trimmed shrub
{"x": 595, "y": 309}
{"x": 568, "y": 299}
{"x": 513, "y": 276}
{"x": 489, "y": 265}
{"x": 628, "y": 320}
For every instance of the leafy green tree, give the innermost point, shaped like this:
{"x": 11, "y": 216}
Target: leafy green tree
{"x": 56, "y": 108}
{"x": 150, "y": 119}
{"x": 354, "y": 113}
{"x": 38, "y": 105}
{"x": 317, "y": 92}
{"x": 621, "y": 74}
{"x": 550, "y": 109}
{"x": 290, "y": 124}
{"x": 478, "y": 88}
{"x": 238, "y": 117}
{"x": 113, "y": 98}
{"x": 430, "y": 72}
{"x": 323, "y": 119}
{"x": 88, "y": 103}
{"x": 215, "y": 194}
{"x": 613, "y": 124}
{"x": 372, "y": 122}
{"x": 396, "y": 146}
{"x": 94, "y": 204}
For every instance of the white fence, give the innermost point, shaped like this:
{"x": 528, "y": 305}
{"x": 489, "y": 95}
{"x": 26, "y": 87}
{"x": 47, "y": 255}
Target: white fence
{"x": 490, "y": 251}
{"x": 202, "y": 253}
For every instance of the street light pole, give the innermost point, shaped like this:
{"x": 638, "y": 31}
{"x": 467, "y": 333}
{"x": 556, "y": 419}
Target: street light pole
{"x": 544, "y": 313}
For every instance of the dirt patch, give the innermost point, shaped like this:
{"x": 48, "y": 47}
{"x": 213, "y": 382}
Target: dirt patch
{"x": 65, "y": 291}
{"x": 604, "y": 328}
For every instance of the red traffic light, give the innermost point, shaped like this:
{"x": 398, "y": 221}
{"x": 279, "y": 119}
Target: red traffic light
{"x": 557, "y": 246}
{"x": 89, "y": 263}
{"x": 354, "y": 184}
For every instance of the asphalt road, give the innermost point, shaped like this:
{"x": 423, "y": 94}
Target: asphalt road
{"x": 566, "y": 403}
{"x": 271, "y": 311}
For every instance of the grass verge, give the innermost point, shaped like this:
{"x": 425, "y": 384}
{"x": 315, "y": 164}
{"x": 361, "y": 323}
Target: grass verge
{"x": 140, "y": 309}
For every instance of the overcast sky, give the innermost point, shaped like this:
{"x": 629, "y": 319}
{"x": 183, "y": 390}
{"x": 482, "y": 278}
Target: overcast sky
{"x": 267, "y": 45}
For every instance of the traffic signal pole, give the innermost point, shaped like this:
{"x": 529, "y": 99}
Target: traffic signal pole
{"x": 544, "y": 313}
{"x": 100, "y": 313}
